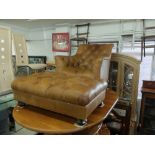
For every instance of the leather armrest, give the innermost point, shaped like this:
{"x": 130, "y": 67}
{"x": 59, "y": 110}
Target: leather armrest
{"x": 103, "y": 72}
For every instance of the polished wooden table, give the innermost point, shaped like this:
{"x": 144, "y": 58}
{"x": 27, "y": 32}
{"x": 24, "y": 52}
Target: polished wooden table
{"x": 48, "y": 122}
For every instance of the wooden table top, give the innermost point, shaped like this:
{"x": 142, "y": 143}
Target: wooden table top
{"x": 48, "y": 122}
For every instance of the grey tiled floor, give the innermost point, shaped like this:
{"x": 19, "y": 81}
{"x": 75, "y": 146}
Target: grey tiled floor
{"x": 19, "y": 130}
{"x": 7, "y": 101}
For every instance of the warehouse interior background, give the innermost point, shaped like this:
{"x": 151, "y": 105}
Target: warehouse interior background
{"x": 108, "y": 23}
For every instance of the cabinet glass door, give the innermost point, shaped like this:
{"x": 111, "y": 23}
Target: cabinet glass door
{"x": 126, "y": 92}
{"x": 113, "y": 74}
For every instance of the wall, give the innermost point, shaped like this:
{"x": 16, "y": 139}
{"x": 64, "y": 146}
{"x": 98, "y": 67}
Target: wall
{"x": 40, "y": 43}
{"x": 13, "y": 28}
{"x": 23, "y": 31}
{"x": 40, "y": 40}
{"x": 99, "y": 31}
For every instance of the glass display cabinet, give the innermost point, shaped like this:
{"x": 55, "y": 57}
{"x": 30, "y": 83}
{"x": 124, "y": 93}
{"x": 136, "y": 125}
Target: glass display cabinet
{"x": 124, "y": 78}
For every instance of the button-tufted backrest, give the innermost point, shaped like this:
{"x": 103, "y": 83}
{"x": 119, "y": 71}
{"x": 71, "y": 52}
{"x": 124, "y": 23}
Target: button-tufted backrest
{"x": 90, "y": 58}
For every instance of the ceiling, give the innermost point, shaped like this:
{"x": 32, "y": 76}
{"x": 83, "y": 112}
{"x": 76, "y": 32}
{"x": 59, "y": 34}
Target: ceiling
{"x": 44, "y": 23}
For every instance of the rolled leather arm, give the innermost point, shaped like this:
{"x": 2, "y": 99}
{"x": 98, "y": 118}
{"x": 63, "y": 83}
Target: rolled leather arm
{"x": 61, "y": 62}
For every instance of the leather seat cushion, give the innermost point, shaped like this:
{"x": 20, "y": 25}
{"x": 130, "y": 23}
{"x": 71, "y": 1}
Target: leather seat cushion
{"x": 73, "y": 89}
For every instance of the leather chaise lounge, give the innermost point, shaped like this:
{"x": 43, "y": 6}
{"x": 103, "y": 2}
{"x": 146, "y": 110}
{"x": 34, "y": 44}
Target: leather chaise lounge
{"x": 75, "y": 89}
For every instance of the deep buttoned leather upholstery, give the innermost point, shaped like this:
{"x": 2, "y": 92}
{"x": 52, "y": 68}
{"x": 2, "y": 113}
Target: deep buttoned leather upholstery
{"x": 75, "y": 89}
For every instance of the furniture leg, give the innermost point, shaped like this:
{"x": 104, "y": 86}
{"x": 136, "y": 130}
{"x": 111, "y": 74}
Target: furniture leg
{"x": 81, "y": 122}
{"x": 101, "y": 104}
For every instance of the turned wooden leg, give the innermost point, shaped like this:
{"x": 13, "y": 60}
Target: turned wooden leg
{"x": 21, "y": 104}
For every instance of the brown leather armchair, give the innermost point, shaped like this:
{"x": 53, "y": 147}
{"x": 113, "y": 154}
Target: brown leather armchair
{"x": 76, "y": 88}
